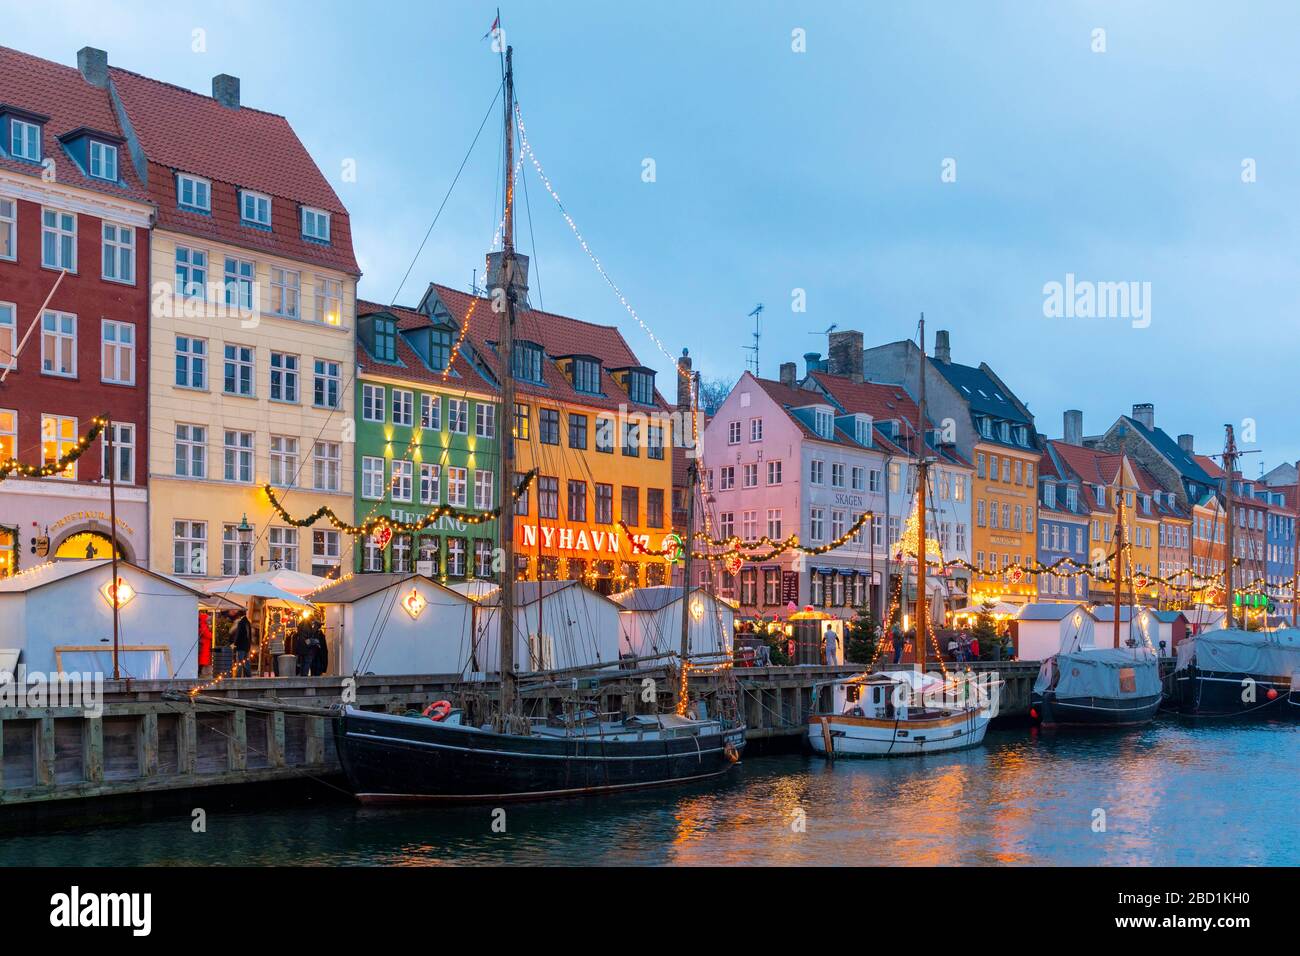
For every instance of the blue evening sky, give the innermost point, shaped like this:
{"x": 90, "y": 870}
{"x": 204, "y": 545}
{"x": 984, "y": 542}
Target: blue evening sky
{"x": 820, "y": 171}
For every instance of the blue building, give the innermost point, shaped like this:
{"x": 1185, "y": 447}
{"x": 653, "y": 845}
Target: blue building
{"x": 1063, "y": 515}
{"x": 1279, "y": 548}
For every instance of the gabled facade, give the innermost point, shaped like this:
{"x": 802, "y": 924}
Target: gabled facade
{"x": 1063, "y": 519}
{"x": 251, "y": 340}
{"x": 71, "y": 203}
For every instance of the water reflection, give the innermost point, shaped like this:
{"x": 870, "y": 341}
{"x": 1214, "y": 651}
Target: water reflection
{"x": 1172, "y": 795}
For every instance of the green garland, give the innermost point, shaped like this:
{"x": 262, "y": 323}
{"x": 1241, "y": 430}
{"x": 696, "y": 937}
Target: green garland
{"x": 13, "y": 466}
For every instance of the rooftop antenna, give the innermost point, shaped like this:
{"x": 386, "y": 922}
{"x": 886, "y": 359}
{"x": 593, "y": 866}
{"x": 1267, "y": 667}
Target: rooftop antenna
{"x": 753, "y": 363}
{"x": 833, "y": 326}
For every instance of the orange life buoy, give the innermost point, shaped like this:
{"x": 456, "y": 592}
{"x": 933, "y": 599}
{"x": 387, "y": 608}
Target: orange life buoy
{"x": 438, "y": 710}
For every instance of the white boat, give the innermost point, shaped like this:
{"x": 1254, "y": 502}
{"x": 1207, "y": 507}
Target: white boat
{"x": 896, "y": 714}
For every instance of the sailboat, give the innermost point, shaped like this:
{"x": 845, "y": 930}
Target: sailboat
{"x": 902, "y": 713}
{"x": 1116, "y": 686}
{"x": 441, "y": 755}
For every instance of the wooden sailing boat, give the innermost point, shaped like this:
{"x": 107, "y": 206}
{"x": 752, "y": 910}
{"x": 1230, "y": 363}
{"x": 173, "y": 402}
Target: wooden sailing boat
{"x": 438, "y": 756}
{"x": 901, "y": 713}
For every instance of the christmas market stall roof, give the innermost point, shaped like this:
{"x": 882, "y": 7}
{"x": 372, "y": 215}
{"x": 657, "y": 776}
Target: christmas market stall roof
{"x": 651, "y": 621}
{"x": 59, "y": 616}
{"x": 577, "y": 627}
{"x": 1047, "y": 628}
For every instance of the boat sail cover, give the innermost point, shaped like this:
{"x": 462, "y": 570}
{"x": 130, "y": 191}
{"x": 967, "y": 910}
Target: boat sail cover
{"x": 1101, "y": 672}
{"x": 1265, "y": 653}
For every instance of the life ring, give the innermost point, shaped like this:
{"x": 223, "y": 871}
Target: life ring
{"x": 438, "y": 710}
{"x": 731, "y": 753}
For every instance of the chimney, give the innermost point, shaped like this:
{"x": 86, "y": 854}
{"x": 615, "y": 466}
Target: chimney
{"x": 1186, "y": 443}
{"x": 520, "y": 280}
{"x": 812, "y": 362}
{"x": 1073, "y": 427}
{"x": 684, "y": 381}
{"x": 789, "y": 371}
{"x": 942, "y": 347}
{"x": 93, "y": 65}
{"x": 1145, "y": 413}
{"x": 846, "y": 354}
{"x": 225, "y": 90}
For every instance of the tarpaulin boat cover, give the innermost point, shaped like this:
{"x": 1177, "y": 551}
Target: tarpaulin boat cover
{"x": 1102, "y": 672}
{"x": 1265, "y": 653}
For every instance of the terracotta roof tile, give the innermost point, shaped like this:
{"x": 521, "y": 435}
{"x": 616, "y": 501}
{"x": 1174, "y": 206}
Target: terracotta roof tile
{"x": 411, "y": 367}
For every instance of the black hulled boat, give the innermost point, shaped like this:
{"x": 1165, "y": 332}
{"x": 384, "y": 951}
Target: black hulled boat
{"x": 1098, "y": 687}
{"x": 1235, "y": 673}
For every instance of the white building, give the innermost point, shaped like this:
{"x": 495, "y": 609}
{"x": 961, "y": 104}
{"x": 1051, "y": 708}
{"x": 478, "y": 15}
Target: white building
{"x": 1042, "y": 630}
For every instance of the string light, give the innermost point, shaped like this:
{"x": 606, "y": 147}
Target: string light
{"x": 735, "y": 548}
{"x": 14, "y": 467}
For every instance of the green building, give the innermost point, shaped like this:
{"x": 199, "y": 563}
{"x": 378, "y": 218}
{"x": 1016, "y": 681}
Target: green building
{"x": 425, "y": 436}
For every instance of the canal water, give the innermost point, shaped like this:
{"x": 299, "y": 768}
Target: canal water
{"x": 1171, "y": 794}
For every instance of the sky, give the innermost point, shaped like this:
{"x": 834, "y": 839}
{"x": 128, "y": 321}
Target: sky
{"x": 869, "y": 161}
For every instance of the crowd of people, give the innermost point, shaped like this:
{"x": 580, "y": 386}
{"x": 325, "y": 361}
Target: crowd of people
{"x": 306, "y": 642}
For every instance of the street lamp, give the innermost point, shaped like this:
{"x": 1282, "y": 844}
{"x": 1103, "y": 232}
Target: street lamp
{"x": 245, "y": 532}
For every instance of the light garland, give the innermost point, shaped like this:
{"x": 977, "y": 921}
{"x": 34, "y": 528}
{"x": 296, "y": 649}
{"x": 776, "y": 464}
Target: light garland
{"x": 14, "y": 467}
{"x": 736, "y": 547}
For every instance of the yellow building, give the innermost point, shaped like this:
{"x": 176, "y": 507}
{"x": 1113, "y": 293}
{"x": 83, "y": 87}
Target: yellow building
{"x": 589, "y": 418}
{"x": 1005, "y": 532}
{"x": 251, "y": 353}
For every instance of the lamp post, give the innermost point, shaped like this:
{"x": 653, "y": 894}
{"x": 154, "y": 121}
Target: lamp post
{"x": 245, "y": 532}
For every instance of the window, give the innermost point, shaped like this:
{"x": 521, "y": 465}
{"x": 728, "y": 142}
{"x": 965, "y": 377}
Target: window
{"x": 837, "y": 474}
{"x": 191, "y": 451}
{"x": 402, "y": 477}
{"x": 327, "y": 465}
{"x": 327, "y": 384}
{"x": 749, "y": 586}
{"x": 403, "y": 407}
{"x": 772, "y": 586}
{"x": 238, "y": 451}
{"x": 875, "y": 480}
{"x": 631, "y": 502}
{"x": 119, "y": 253}
{"x": 733, "y": 433}
{"x": 817, "y": 471}
{"x": 521, "y": 502}
{"x": 191, "y": 362}
{"x": 458, "y": 416}
{"x": 236, "y": 557}
{"x": 286, "y": 288}
{"x": 456, "y": 557}
{"x": 604, "y": 504}
{"x": 605, "y": 434}
{"x": 521, "y": 428}
{"x": 372, "y": 403}
{"x": 284, "y": 377}
{"x": 329, "y": 300}
{"x": 189, "y": 547}
{"x": 430, "y": 483}
{"x": 654, "y": 445}
{"x": 239, "y": 370}
{"x": 527, "y": 361}
{"x": 284, "y": 548}
{"x": 837, "y": 526}
{"x": 8, "y": 433}
{"x": 191, "y": 273}
{"x": 586, "y": 376}
{"x": 59, "y": 344}
{"x": 58, "y": 240}
{"x": 726, "y": 477}
{"x": 641, "y": 387}
{"x": 58, "y": 438}
{"x": 123, "y": 451}
{"x": 577, "y": 431}
{"x": 485, "y": 420}
{"x": 856, "y": 478}
{"x": 315, "y": 224}
{"x": 773, "y": 472}
{"x": 548, "y": 497}
{"x": 749, "y": 525}
{"x": 457, "y": 492}
{"x": 439, "y": 349}
{"x": 8, "y": 229}
{"x": 577, "y": 500}
{"x": 817, "y": 524}
{"x": 632, "y": 439}
{"x": 654, "y": 507}
{"x": 384, "y": 335}
{"x": 284, "y": 460}
{"x": 727, "y": 524}
{"x": 193, "y": 193}
{"x": 24, "y": 140}
{"x": 749, "y": 475}
{"x": 325, "y": 553}
{"x": 755, "y": 429}
{"x": 372, "y": 478}
{"x": 239, "y": 284}
{"x": 483, "y": 496}
{"x": 117, "y": 361}
{"x": 548, "y": 426}
{"x": 774, "y": 523}
{"x": 372, "y": 556}
{"x": 254, "y": 208}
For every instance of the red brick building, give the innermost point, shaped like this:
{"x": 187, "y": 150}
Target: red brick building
{"x": 70, "y": 200}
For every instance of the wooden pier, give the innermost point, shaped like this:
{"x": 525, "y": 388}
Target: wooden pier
{"x": 153, "y": 737}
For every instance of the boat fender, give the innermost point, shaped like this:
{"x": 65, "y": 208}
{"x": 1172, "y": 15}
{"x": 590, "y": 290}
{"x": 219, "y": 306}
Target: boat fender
{"x": 1033, "y": 712}
{"x": 1272, "y": 693}
{"x": 438, "y": 710}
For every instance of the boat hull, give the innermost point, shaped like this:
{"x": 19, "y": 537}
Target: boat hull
{"x": 1096, "y": 712}
{"x": 1199, "y": 693}
{"x": 390, "y": 759}
{"x": 842, "y": 735}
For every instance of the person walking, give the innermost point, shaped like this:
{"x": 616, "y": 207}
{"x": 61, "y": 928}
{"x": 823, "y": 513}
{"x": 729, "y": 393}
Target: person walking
{"x": 897, "y": 636}
{"x": 241, "y": 639}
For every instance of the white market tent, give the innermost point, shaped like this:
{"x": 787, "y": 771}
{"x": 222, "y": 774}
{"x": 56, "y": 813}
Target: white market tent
{"x": 1050, "y": 628}
{"x": 295, "y": 582}
{"x": 578, "y": 626}
{"x": 58, "y": 616}
{"x": 651, "y": 621}
{"x": 395, "y": 623}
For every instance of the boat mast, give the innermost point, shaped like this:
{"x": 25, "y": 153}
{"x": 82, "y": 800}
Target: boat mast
{"x": 505, "y": 336}
{"x": 1119, "y": 542}
{"x": 1230, "y": 466}
{"x": 922, "y": 481}
{"x": 112, "y": 542}
{"x": 691, "y": 475}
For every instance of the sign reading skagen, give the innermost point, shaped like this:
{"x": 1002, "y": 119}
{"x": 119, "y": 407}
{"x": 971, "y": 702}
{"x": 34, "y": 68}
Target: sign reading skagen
{"x": 852, "y": 501}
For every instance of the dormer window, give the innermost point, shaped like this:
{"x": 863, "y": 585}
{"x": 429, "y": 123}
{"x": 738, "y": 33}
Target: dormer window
{"x": 1022, "y": 435}
{"x": 586, "y": 376}
{"x": 193, "y": 193}
{"x": 862, "y": 430}
{"x": 824, "y": 422}
{"x": 103, "y": 161}
{"x": 641, "y": 386}
{"x": 439, "y": 349}
{"x": 24, "y": 140}
{"x": 527, "y": 362}
{"x": 385, "y": 336}
{"x": 315, "y": 224}
{"x": 1100, "y": 492}
{"x": 1004, "y": 431}
{"x": 1071, "y": 498}
{"x": 254, "y": 209}
{"x": 986, "y": 427}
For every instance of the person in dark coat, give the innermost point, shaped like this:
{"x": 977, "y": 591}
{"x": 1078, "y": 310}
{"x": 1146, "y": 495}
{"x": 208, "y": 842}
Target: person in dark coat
{"x": 314, "y": 656}
{"x": 241, "y": 638}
